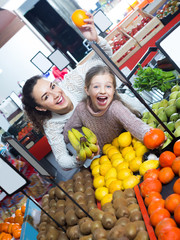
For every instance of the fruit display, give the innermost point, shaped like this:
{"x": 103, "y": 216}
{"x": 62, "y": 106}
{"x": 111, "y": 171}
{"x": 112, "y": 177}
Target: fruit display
{"x": 168, "y": 8}
{"x": 163, "y": 205}
{"x": 11, "y": 227}
{"x": 168, "y": 113}
{"x": 149, "y": 78}
{"x": 85, "y": 145}
{"x": 119, "y": 218}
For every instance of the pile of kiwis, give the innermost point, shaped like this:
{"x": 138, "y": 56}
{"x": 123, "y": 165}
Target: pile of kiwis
{"x": 120, "y": 219}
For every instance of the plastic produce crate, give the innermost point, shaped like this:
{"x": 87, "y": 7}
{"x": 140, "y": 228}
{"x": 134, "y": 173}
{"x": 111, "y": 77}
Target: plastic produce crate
{"x": 141, "y": 26}
{"x": 123, "y": 46}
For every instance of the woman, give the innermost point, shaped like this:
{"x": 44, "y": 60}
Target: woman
{"x": 49, "y": 106}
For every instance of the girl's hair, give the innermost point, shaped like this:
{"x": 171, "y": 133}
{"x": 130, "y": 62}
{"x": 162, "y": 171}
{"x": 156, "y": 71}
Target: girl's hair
{"x": 101, "y": 70}
{"x": 29, "y": 104}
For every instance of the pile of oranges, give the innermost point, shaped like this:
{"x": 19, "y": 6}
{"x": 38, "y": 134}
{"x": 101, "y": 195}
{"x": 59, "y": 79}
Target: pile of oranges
{"x": 164, "y": 213}
{"x": 11, "y": 227}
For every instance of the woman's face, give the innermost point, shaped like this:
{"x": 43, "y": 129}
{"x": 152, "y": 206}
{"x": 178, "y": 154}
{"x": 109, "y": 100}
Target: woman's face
{"x": 51, "y": 97}
{"x": 101, "y": 91}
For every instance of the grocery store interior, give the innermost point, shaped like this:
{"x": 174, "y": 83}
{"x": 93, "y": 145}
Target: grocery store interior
{"x": 131, "y": 189}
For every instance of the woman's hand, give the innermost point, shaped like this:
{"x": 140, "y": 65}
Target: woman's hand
{"x": 88, "y": 29}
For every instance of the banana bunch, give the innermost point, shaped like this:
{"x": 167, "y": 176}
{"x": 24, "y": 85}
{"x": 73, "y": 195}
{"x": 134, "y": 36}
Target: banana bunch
{"x": 85, "y": 145}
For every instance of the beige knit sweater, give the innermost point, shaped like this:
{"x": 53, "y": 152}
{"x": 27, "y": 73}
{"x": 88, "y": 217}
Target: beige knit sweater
{"x": 108, "y": 125}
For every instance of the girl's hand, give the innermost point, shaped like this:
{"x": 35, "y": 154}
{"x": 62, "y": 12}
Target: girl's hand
{"x": 88, "y": 29}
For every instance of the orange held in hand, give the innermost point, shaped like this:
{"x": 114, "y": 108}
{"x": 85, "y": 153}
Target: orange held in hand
{"x": 154, "y": 138}
{"x": 78, "y": 17}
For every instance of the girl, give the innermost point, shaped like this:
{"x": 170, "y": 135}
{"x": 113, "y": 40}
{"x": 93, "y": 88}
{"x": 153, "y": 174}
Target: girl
{"x": 49, "y": 106}
{"x": 103, "y": 111}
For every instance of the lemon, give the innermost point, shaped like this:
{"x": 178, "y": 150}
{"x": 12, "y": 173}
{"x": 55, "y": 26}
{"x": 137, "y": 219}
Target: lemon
{"x": 117, "y": 161}
{"x": 95, "y": 170}
{"x": 124, "y": 173}
{"x": 103, "y": 159}
{"x": 135, "y": 164}
{"x": 100, "y": 193}
{"x": 137, "y": 144}
{"x": 94, "y": 163}
{"x": 106, "y": 199}
{"x": 134, "y": 140}
{"x": 124, "y": 139}
{"x": 115, "y": 142}
{"x": 105, "y": 147}
{"x": 126, "y": 150}
{"x": 108, "y": 148}
{"x": 109, "y": 180}
{"x": 104, "y": 168}
{"x": 116, "y": 155}
{"x": 141, "y": 150}
{"x": 149, "y": 164}
{"x": 122, "y": 165}
{"x": 114, "y": 186}
{"x": 112, "y": 151}
{"x": 111, "y": 173}
{"x": 98, "y": 182}
{"x": 131, "y": 181}
{"x": 130, "y": 156}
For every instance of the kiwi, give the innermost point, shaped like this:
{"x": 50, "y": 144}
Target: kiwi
{"x": 118, "y": 194}
{"x": 71, "y": 194}
{"x": 116, "y": 232}
{"x": 91, "y": 206}
{"x": 131, "y": 230}
{"x": 122, "y": 211}
{"x": 42, "y": 226}
{"x": 91, "y": 199}
{"x": 140, "y": 225}
{"x": 87, "y": 237}
{"x": 99, "y": 233}
{"x": 108, "y": 220}
{"x": 78, "y": 176}
{"x": 119, "y": 202}
{"x": 80, "y": 213}
{"x": 86, "y": 173}
{"x": 52, "y": 234}
{"x": 95, "y": 225}
{"x": 59, "y": 193}
{"x": 133, "y": 207}
{"x": 129, "y": 192}
{"x": 44, "y": 217}
{"x": 135, "y": 216}
{"x": 52, "y": 212}
{"x": 96, "y": 214}
{"x": 41, "y": 235}
{"x": 79, "y": 187}
{"x": 73, "y": 232}
{"x": 131, "y": 200}
{"x": 52, "y": 193}
{"x": 60, "y": 203}
{"x": 106, "y": 206}
{"x": 110, "y": 210}
{"x": 123, "y": 221}
{"x": 89, "y": 191}
{"x": 71, "y": 218}
{"x": 62, "y": 236}
{"x": 142, "y": 235}
{"x": 85, "y": 225}
{"x": 45, "y": 200}
{"x": 78, "y": 196}
{"x": 68, "y": 206}
{"x": 60, "y": 218}
{"x": 52, "y": 203}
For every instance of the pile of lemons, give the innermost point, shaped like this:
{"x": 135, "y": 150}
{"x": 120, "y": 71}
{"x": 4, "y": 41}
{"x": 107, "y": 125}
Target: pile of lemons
{"x": 115, "y": 169}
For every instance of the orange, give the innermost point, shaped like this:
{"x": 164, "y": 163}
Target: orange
{"x": 152, "y": 196}
{"x": 176, "y": 186}
{"x": 158, "y": 203}
{"x": 78, "y": 17}
{"x": 17, "y": 233}
{"x": 177, "y": 214}
{"x": 1, "y": 235}
{"x": 166, "y": 223}
{"x": 19, "y": 219}
{"x": 166, "y": 175}
{"x": 154, "y": 138}
{"x": 151, "y": 173}
{"x": 14, "y": 227}
{"x": 176, "y": 165}
{"x": 172, "y": 201}
{"x": 176, "y": 148}
{"x": 23, "y": 209}
{"x": 7, "y": 237}
{"x": 4, "y": 227}
{"x": 166, "y": 159}
{"x": 158, "y": 215}
{"x": 168, "y": 234}
{"x": 18, "y": 212}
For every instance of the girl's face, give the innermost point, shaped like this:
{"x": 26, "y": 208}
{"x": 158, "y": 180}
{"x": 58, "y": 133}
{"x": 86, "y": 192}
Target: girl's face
{"x": 101, "y": 91}
{"x": 51, "y": 97}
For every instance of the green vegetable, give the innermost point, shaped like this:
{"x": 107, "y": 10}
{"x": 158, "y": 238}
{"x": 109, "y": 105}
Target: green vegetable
{"x": 149, "y": 78}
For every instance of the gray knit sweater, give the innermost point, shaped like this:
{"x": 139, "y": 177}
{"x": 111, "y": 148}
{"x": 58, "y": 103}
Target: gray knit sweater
{"x": 108, "y": 125}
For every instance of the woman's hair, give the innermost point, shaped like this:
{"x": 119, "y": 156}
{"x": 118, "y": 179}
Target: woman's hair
{"x": 29, "y": 104}
{"x": 101, "y": 70}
